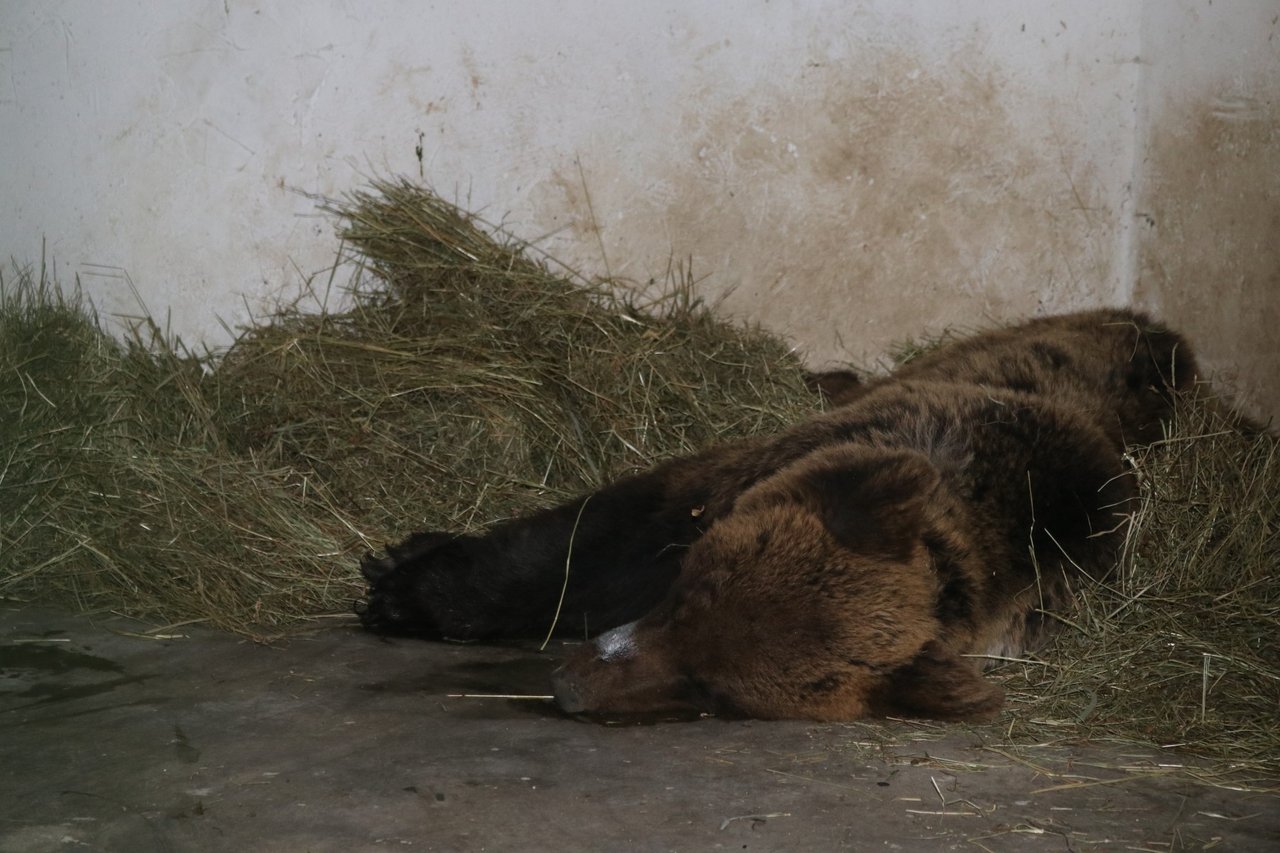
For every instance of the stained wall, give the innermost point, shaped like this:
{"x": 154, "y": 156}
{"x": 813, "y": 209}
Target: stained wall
{"x": 849, "y": 174}
{"x": 1209, "y": 203}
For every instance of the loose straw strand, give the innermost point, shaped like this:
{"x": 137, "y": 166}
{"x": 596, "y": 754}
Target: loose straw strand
{"x": 565, "y": 588}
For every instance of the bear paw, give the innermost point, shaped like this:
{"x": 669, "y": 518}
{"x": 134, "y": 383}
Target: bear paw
{"x": 404, "y": 586}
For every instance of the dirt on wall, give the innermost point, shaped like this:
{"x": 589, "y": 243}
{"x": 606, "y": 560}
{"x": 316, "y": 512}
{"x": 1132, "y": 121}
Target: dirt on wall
{"x": 1210, "y": 244}
{"x": 856, "y": 203}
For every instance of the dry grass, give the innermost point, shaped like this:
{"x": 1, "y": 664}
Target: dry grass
{"x": 118, "y": 491}
{"x": 467, "y": 382}
{"x": 1181, "y": 646}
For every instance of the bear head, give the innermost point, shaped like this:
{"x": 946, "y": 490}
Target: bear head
{"x": 807, "y": 600}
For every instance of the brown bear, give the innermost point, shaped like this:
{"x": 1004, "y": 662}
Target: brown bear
{"x": 864, "y": 562}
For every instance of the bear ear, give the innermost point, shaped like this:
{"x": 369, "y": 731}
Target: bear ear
{"x": 873, "y": 502}
{"x": 1167, "y": 364}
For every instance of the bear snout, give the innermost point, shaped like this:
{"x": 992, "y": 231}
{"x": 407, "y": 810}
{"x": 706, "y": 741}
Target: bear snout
{"x": 618, "y": 673}
{"x": 618, "y": 644}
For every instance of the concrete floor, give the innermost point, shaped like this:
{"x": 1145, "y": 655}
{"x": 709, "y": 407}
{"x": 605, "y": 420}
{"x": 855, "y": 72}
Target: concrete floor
{"x": 343, "y": 741}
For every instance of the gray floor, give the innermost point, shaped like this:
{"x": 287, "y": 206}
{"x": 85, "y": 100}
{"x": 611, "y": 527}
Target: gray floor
{"x": 344, "y": 741}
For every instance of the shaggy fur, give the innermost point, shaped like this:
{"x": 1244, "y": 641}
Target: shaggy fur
{"x": 853, "y": 565}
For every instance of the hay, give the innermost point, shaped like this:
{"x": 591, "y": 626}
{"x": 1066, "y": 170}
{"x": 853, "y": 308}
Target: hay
{"x": 117, "y": 490}
{"x": 464, "y": 382}
{"x": 1181, "y": 646}
{"x": 470, "y": 382}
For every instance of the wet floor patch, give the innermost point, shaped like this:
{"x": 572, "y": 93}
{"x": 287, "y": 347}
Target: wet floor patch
{"x": 43, "y": 671}
{"x": 44, "y": 655}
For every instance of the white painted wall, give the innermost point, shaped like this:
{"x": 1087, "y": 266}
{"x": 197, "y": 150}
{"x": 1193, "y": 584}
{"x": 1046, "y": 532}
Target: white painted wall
{"x": 849, "y": 173}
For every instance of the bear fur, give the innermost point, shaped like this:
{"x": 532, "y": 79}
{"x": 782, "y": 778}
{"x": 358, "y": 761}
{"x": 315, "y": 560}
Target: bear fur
{"x": 864, "y": 562}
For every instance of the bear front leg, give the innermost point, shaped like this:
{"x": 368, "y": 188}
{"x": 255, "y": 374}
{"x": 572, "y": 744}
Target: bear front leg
{"x": 627, "y": 540}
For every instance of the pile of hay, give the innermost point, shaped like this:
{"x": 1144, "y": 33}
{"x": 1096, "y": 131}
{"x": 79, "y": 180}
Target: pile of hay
{"x": 467, "y": 382}
{"x": 1181, "y": 646}
{"x": 464, "y": 383}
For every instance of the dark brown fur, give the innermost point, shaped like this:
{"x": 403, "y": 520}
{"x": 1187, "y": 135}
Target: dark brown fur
{"x": 836, "y": 387}
{"x": 860, "y": 563}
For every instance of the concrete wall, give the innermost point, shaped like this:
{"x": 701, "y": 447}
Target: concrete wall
{"x": 1209, "y": 204}
{"x": 849, "y": 174}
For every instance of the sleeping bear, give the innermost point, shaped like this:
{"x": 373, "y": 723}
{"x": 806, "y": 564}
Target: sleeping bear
{"x": 866, "y": 562}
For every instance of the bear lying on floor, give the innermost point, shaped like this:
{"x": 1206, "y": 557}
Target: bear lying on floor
{"x": 860, "y": 563}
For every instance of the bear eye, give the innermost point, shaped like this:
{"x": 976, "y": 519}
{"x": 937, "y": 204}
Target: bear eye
{"x": 696, "y": 692}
